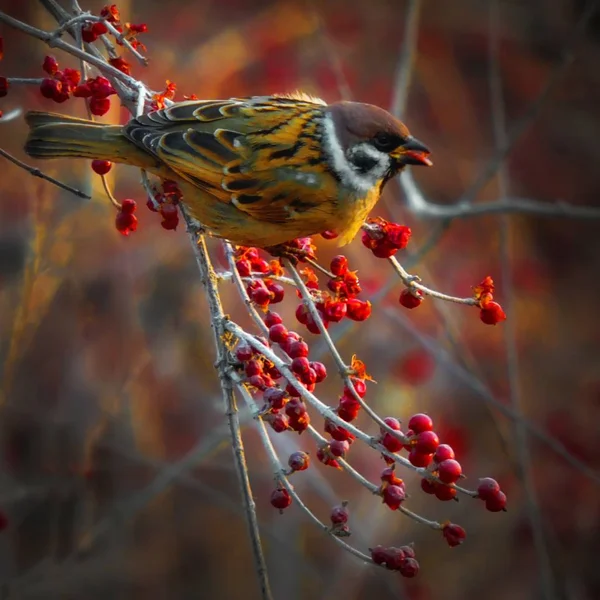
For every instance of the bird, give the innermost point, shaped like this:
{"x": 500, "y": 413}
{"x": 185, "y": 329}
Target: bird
{"x": 257, "y": 171}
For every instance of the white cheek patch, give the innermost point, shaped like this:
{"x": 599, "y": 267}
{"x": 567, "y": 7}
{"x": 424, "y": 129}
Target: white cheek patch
{"x": 349, "y": 174}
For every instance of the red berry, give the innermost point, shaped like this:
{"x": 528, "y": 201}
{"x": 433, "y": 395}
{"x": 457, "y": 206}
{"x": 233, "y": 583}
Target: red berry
{"x": 99, "y": 28}
{"x": 320, "y": 371}
{"x": 125, "y": 222}
{"x": 280, "y": 498}
{"x": 101, "y": 87}
{"x": 329, "y": 235}
{"x": 279, "y": 422}
{"x": 312, "y": 326}
{"x": 99, "y": 106}
{"x": 487, "y": 488}
{"x": 398, "y": 235}
{"x": 261, "y": 296}
{"x": 391, "y": 442}
{"x": 443, "y": 452}
{"x": 88, "y": 35}
{"x": 420, "y": 422}
{"x": 444, "y": 492}
{"x": 339, "y": 265}
{"x": 326, "y": 459}
{"x": 260, "y": 266}
{"x": 102, "y": 167}
{"x": 4, "y": 85}
{"x": 300, "y": 365}
{"x": 50, "y": 88}
{"x": 128, "y": 206}
{"x": 379, "y": 554}
{"x": 358, "y": 310}
{"x": 243, "y": 352}
{"x": 275, "y": 398}
{"x": 50, "y": 65}
{"x": 497, "y": 502}
{"x": 278, "y": 333}
{"x": 295, "y": 407}
{"x": 383, "y": 249}
{"x": 392, "y": 423}
{"x": 272, "y": 318}
{"x": 298, "y": 349}
{"x": 359, "y": 385}
{"x": 394, "y": 558}
{"x": 393, "y": 496}
{"x": 418, "y": 459}
{"x": 339, "y": 514}
{"x": 70, "y": 78}
{"x": 409, "y": 567}
{"x": 348, "y": 409}
{"x": 426, "y": 442}
{"x": 277, "y": 291}
{"x": 454, "y": 534}
{"x": 492, "y": 313}
{"x": 299, "y": 424}
{"x": 120, "y": 63}
{"x": 82, "y": 91}
{"x": 337, "y": 432}
{"x": 257, "y": 381}
{"x": 298, "y": 461}
{"x": 243, "y": 268}
{"x": 428, "y": 486}
{"x": 302, "y": 314}
{"x": 335, "y": 311}
{"x": 253, "y": 367}
{"x": 409, "y": 299}
{"x": 339, "y": 448}
{"x": 449, "y": 471}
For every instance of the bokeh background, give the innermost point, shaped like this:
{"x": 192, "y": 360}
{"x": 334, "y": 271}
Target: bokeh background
{"x": 107, "y": 363}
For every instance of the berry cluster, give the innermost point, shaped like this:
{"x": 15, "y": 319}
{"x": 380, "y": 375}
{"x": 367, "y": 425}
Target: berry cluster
{"x": 383, "y": 238}
{"x": 491, "y": 312}
{"x": 396, "y": 559}
{"x": 283, "y": 407}
{"x": 66, "y": 82}
{"x": 61, "y": 83}
{"x": 126, "y": 221}
{"x": 165, "y": 202}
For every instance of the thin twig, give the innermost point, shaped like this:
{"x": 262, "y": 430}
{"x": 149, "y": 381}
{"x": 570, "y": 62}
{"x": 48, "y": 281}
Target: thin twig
{"x": 514, "y": 133}
{"x": 37, "y": 173}
{"x": 217, "y": 317}
{"x": 524, "y": 464}
{"x": 404, "y": 69}
{"x": 69, "y": 48}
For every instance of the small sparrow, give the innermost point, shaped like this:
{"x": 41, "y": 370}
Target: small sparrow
{"x": 257, "y": 171}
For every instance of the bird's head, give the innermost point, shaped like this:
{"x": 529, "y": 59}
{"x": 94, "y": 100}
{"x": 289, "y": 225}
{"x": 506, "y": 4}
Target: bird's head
{"x": 367, "y": 146}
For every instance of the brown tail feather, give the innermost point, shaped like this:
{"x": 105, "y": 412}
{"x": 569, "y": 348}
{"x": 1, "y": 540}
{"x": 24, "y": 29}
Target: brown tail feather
{"x": 55, "y": 136}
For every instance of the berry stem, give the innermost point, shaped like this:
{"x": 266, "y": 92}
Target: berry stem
{"x": 410, "y": 281}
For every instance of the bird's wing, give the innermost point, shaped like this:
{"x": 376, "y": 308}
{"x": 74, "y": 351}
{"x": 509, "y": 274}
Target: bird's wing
{"x": 249, "y": 151}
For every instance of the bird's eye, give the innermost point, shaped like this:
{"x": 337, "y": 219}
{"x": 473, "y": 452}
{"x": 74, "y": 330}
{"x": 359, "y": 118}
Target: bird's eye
{"x": 385, "y": 142}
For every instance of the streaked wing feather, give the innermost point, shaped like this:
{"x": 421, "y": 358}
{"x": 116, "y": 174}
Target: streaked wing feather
{"x": 221, "y": 145}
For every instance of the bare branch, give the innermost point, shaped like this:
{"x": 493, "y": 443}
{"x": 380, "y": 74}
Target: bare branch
{"x": 209, "y": 281}
{"x": 524, "y": 463}
{"x": 37, "y": 173}
{"x": 405, "y": 63}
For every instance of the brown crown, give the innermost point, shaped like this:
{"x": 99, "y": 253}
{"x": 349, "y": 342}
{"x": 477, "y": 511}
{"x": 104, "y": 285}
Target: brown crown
{"x": 355, "y": 121}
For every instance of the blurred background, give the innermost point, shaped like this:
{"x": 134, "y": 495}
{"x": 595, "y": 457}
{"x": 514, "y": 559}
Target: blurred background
{"x": 107, "y": 378}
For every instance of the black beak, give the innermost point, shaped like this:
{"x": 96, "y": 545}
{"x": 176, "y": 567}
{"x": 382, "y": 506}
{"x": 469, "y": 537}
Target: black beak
{"x": 413, "y": 152}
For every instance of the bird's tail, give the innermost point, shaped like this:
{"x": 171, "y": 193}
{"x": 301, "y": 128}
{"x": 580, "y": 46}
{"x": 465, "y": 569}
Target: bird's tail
{"x": 53, "y": 136}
